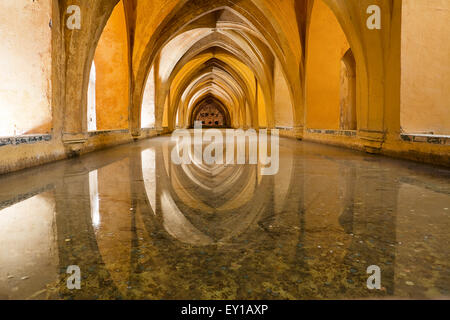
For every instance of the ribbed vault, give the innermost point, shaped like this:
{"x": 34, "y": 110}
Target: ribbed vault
{"x": 216, "y": 50}
{"x": 272, "y": 64}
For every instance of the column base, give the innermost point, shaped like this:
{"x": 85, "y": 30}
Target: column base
{"x": 298, "y": 132}
{"x": 372, "y": 140}
{"x": 74, "y": 143}
{"x": 159, "y": 130}
{"x": 136, "y": 133}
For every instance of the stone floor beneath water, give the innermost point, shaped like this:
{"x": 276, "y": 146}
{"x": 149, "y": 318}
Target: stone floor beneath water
{"x": 141, "y": 227}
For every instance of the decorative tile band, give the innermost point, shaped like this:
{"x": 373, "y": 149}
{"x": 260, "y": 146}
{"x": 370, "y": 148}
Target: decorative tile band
{"x": 426, "y": 138}
{"x": 24, "y": 139}
{"x": 105, "y": 132}
{"x": 285, "y": 128}
{"x": 348, "y": 133}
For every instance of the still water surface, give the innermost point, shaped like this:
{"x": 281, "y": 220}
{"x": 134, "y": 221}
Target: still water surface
{"x": 141, "y": 227}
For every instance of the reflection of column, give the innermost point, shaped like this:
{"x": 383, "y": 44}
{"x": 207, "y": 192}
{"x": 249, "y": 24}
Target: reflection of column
{"x": 94, "y": 198}
{"x": 148, "y": 174}
{"x": 138, "y": 206}
{"x": 374, "y": 226}
{"x": 144, "y": 166}
{"x": 295, "y": 202}
{"x": 76, "y": 237}
{"x": 346, "y": 217}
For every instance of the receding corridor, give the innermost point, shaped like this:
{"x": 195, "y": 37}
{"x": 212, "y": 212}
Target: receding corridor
{"x": 140, "y": 227}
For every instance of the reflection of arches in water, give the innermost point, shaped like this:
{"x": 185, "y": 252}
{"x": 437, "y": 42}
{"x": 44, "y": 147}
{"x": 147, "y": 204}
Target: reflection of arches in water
{"x": 148, "y": 158}
{"x": 175, "y": 219}
{"x": 111, "y": 218}
{"x": 357, "y": 219}
{"x": 191, "y": 236}
{"x": 157, "y": 232}
{"x": 205, "y": 204}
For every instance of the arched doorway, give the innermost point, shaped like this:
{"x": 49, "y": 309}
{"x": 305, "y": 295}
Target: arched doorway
{"x": 348, "y": 92}
{"x": 211, "y": 113}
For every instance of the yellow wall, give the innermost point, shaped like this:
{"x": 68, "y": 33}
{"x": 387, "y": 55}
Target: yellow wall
{"x": 262, "y": 114}
{"x": 327, "y": 45}
{"x": 282, "y": 100}
{"x": 425, "y": 84}
{"x": 111, "y": 62}
{"x": 244, "y": 71}
{"x": 165, "y": 122}
{"x": 25, "y": 67}
{"x": 149, "y": 15}
{"x": 284, "y": 13}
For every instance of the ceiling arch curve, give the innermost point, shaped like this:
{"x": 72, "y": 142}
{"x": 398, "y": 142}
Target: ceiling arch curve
{"x": 237, "y": 26}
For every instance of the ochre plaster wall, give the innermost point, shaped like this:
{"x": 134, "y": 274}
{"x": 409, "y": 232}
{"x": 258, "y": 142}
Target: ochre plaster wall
{"x": 262, "y": 114}
{"x": 284, "y": 14}
{"x": 165, "y": 122}
{"x": 111, "y": 62}
{"x": 327, "y": 45}
{"x": 282, "y": 100}
{"x": 25, "y": 67}
{"x": 149, "y": 14}
{"x": 425, "y": 84}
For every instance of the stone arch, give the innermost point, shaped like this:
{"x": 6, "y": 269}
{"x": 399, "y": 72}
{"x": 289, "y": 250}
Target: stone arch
{"x": 225, "y": 120}
{"x": 265, "y": 78}
{"x": 80, "y": 47}
{"x": 211, "y": 47}
{"x": 203, "y": 72}
{"x": 184, "y": 13}
{"x": 369, "y": 53}
{"x": 348, "y": 92}
{"x": 369, "y": 59}
{"x": 219, "y": 93}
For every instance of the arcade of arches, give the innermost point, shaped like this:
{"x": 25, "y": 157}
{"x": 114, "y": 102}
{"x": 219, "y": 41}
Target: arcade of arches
{"x": 136, "y": 70}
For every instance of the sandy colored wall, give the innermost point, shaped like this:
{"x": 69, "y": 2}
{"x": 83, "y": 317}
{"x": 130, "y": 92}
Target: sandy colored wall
{"x": 111, "y": 62}
{"x": 425, "y": 84}
{"x": 326, "y": 46}
{"x": 25, "y": 64}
